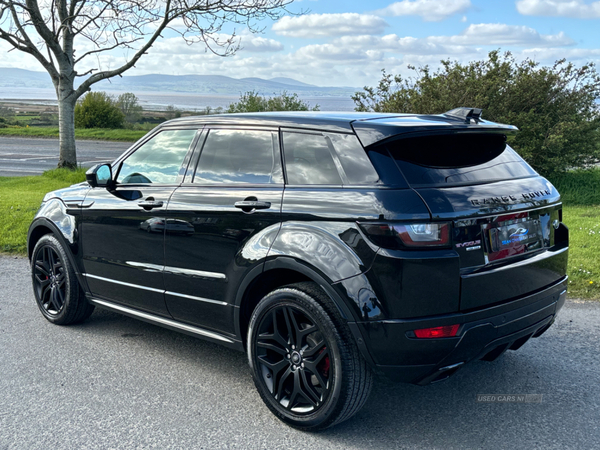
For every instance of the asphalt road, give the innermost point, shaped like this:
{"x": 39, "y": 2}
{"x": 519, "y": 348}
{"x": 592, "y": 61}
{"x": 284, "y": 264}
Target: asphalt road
{"x": 32, "y": 156}
{"x": 114, "y": 382}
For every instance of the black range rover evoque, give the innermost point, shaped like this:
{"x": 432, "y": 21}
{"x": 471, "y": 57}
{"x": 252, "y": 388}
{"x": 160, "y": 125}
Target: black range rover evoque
{"x": 329, "y": 246}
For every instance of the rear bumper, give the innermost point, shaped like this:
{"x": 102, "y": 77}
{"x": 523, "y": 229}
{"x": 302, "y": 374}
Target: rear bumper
{"x": 483, "y": 334}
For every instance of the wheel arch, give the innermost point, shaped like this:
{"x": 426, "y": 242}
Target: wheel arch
{"x": 35, "y": 234}
{"x": 277, "y": 272}
{"x": 42, "y": 226}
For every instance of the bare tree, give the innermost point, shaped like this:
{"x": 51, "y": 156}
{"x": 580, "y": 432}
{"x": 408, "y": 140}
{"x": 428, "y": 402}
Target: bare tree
{"x": 49, "y": 30}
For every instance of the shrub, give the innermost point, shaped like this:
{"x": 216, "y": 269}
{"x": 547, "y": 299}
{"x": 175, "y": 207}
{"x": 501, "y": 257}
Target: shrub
{"x": 98, "y": 110}
{"x": 171, "y": 112}
{"x": 554, "y": 107}
{"x": 253, "y": 102}
{"x": 129, "y": 105}
{"x": 6, "y": 113}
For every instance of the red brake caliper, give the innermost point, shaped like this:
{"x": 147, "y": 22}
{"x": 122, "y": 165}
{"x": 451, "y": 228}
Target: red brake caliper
{"x": 324, "y": 365}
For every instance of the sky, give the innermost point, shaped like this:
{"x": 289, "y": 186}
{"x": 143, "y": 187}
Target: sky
{"x": 349, "y": 42}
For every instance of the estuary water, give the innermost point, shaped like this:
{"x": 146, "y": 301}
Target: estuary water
{"x": 160, "y": 100}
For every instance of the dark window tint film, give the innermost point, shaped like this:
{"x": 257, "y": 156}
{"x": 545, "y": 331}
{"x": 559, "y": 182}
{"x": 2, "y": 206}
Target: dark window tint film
{"x": 353, "y": 159}
{"x": 239, "y": 156}
{"x": 308, "y": 160}
{"x": 457, "y": 159}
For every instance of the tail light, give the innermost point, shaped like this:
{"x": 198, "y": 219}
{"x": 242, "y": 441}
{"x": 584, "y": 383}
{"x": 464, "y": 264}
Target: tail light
{"x": 437, "y": 332}
{"x": 412, "y": 235}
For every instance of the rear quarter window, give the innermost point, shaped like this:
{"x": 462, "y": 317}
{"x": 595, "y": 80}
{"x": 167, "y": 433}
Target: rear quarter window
{"x": 308, "y": 160}
{"x": 327, "y": 158}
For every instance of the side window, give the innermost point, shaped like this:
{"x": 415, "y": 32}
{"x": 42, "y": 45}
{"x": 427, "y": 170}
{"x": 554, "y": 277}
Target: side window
{"x": 353, "y": 158}
{"x": 158, "y": 160}
{"x": 239, "y": 156}
{"x": 308, "y": 159}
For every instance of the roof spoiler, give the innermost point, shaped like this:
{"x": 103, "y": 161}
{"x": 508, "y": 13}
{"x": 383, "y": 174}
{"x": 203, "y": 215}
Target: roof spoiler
{"x": 467, "y": 115}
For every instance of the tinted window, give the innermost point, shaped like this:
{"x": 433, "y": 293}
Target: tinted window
{"x": 159, "y": 159}
{"x": 239, "y": 156}
{"x": 308, "y": 160}
{"x": 452, "y": 160}
{"x": 353, "y": 158}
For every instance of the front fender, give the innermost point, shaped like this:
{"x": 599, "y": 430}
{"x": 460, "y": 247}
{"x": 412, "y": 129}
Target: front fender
{"x": 54, "y": 212}
{"x": 55, "y": 217}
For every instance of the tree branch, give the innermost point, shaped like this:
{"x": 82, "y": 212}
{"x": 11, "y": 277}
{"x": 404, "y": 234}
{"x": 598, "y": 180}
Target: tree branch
{"x": 85, "y": 86}
{"x": 25, "y": 44}
{"x": 45, "y": 33}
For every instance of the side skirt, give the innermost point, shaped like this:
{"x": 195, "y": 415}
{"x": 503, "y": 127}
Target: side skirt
{"x": 198, "y": 332}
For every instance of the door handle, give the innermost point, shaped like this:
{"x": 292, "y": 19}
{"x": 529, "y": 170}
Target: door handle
{"x": 248, "y": 205}
{"x": 149, "y": 204}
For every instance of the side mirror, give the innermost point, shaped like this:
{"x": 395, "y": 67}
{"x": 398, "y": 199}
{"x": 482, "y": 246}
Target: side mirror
{"x": 99, "y": 176}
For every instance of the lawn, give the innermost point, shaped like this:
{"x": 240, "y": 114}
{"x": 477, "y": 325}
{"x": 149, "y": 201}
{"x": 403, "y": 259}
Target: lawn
{"x": 580, "y": 190}
{"x": 20, "y": 198}
{"x": 103, "y": 134}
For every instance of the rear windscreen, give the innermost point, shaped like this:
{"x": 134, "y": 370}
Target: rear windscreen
{"x": 457, "y": 159}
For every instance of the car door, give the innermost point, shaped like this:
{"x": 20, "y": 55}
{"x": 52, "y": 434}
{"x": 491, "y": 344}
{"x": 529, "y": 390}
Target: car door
{"x": 123, "y": 227}
{"x": 232, "y": 195}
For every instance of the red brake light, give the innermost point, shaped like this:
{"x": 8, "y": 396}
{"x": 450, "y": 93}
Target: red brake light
{"x": 437, "y": 332}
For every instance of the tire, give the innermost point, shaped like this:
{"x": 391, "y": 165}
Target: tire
{"x": 55, "y": 286}
{"x": 313, "y": 376}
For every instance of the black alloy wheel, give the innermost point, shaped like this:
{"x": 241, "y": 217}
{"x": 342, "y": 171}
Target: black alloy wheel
{"x": 55, "y": 286}
{"x": 293, "y": 357}
{"x": 304, "y": 362}
{"x": 49, "y": 280}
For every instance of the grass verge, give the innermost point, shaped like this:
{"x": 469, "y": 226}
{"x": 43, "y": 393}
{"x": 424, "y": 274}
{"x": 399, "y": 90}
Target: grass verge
{"x": 20, "y": 198}
{"x": 584, "y": 251}
{"x": 580, "y": 190}
{"x": 102, "y": 134}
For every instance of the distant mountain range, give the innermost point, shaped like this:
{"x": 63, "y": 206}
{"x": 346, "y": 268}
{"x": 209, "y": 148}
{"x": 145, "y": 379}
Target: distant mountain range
{"x": 196, "y": 84}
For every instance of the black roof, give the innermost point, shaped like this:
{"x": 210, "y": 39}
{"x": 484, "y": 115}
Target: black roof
{"x": 370, "y": 127}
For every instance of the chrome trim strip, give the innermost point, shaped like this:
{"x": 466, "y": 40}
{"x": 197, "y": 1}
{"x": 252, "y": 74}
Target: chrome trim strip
{"x": 177, "y": 270}
{"x": 162, "y": 291}
{"x": 147, "y": 267}
{"x": 534, "y": 259}
{"x": 162, "y": 320}
{"x": 200, "y": 299}
{"x": 108, "y": 280}
{"x": 194, "y": 273}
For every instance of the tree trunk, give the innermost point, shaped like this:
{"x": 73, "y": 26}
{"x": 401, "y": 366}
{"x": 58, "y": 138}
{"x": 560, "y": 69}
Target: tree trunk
{"x": 66, "y": 129}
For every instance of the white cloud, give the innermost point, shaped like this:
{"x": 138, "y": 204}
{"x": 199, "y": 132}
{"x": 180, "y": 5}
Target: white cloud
{"x": 351, "y": 60}
{"x": 405, "y": 45}
{"x": 559, "y": 8}
{"x": 429, "y": 10}
{"x": 502, "y": 34}
{"x": 320, "y": 25}
{"x": 258, "y": 44}
{"x": 462, "y": 44}
{"x": 247, "y": 42}
{"x": 17, "y": 59}
{"x": 332, "y": 52}
{"x": 550, "y": 55}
